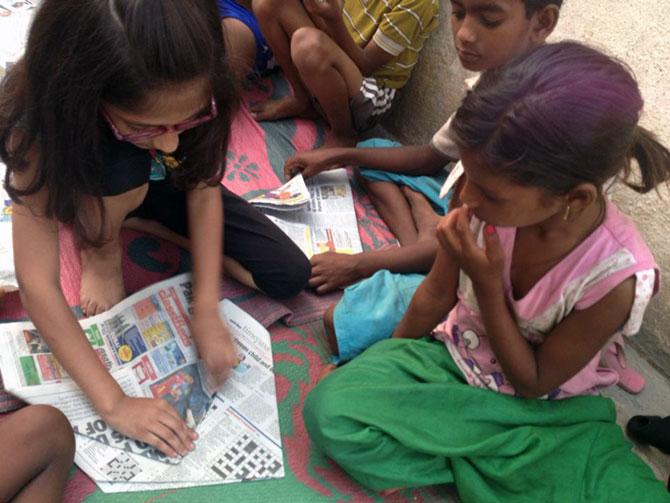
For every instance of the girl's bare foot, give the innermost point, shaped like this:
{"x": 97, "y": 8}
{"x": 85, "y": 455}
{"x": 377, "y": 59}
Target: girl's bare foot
{"x": 325, "y": 371}
{"x": 101, "y": 278}
{"x": 391, "y": 492}
{"x": 272, "y": 110}
{"x": 424, "y": 216}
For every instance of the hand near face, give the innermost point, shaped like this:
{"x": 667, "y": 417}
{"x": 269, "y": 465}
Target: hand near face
{"x": 482, "y": 265}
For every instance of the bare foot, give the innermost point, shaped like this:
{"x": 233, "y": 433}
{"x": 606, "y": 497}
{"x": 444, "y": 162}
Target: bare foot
{"x": 101, "y": 278}
{"x": 339, "y": 141}
{"x": 272, "y": 110}
{"x": 325, "y": 371}
{"x": 391, "y": 492}
{"x": 331, "y": 271}
{"x": 425, "y": 218}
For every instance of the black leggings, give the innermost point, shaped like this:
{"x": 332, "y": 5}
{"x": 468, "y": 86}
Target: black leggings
{"x": 277, "y": 265}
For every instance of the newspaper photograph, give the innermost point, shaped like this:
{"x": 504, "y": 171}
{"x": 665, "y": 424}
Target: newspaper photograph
{"x": 15, "y": 18}
{"x": 8, "y": 281}
{"x": 291, "y": 196}
{"x": 159, "y": 366}
{"x": 329, "y": 222}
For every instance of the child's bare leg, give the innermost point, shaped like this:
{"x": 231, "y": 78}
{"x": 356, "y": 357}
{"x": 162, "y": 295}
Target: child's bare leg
{"x": 394, "y": 208}
{"x": 331, "y": 77}
{"x": 240, "y": 47}
{"x": 425, "y": 218}
{"x": 331, "y": 340}
{"x": 278, "y": 20}
{"x": 39, "y": 449}
{"x": 329, "y": 326}
{"x": 101, "y": 272}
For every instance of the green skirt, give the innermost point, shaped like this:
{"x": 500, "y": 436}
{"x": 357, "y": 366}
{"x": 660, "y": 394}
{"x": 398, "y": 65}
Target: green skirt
{"x": 402, "y": 415}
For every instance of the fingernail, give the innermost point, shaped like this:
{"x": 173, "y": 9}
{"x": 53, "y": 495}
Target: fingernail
{"x": 192, "y": 446}
{"x": 489, "y": 229}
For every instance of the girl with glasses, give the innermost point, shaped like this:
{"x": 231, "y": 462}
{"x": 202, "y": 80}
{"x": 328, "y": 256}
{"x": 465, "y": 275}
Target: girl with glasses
{"x": 119, "y": 113}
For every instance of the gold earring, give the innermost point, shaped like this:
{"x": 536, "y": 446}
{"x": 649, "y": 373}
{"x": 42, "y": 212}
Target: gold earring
{"x": 566, "y": 215}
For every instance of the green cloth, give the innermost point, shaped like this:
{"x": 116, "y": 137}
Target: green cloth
{"x": 402, "y": 415}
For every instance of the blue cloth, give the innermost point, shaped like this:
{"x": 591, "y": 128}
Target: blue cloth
{"x": 429, "y": 186}
{"x": 370, "y": 310}
{"x": 231, "y": 9}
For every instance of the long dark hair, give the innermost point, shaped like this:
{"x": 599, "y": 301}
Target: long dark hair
{"x": 561, "y": 115}
{"x": 82, "y": 52}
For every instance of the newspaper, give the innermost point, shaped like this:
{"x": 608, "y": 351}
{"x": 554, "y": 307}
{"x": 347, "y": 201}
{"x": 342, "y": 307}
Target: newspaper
{"x": 328, "y": 223}
{"x": 8, "y": 282}
{"x": 291, "y": 196}
{"x": 145, "y": 343}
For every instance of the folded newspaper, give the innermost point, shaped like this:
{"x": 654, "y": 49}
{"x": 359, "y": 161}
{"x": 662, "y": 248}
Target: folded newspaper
{"x": 293, "y": 195}
{"x": 145, "y": 343}
{"x": 328, "y": 222}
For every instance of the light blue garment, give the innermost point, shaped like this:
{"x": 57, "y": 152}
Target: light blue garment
{"x": 429, "y": 186}
{"x": 370, "y": 310}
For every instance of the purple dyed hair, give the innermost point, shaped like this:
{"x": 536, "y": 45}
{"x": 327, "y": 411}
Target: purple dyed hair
{"x": 561, "y": 115}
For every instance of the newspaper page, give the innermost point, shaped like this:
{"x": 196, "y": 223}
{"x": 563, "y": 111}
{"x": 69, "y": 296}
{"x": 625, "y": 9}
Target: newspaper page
{"x": 242, "y": 425}
{"x": 15, "y": 18}
{"x": 291, "y": 196}
{"x": 145, "y": 343}
{"x": 239, "y": 437}
{"x": 8, "y": 281}
{"x": 328, "y": 223}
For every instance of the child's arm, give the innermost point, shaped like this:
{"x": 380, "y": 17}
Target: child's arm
{"x": 409, "y": 160}
{"x": 534, "y": 371}
{"x": 36, "y": 255}
{"x": 434, "y": 298}
{"x": 367, "y": 59}
{"x": 205, "y": 221}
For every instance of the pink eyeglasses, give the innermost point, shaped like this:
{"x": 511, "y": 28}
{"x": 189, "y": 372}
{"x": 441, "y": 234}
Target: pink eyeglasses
{"x": 154, "y": 131}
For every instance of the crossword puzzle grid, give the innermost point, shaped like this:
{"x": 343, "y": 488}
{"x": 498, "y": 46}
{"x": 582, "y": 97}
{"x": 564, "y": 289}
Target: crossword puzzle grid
{"x": 122, "y": 468}
{"x": 246, "y": 460}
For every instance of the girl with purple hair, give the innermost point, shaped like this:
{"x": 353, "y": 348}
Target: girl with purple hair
{"x": 536, "y": 272}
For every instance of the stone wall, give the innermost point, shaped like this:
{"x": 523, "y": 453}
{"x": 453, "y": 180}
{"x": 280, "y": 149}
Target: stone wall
{"x": 637, "y": 33}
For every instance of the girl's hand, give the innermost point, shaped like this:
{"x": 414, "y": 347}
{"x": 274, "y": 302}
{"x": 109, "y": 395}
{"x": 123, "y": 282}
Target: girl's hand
{"x": 483, "y": 266}
{"x": 328, "y": 10}
{"x": 309, "y": 163}
{"x": 154, "y": 422}
{"x": 215, "y": 345}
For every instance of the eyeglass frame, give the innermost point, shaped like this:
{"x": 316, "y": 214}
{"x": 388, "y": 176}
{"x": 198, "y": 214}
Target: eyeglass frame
{"x": 155, "y": 131}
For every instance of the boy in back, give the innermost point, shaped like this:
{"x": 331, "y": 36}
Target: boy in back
{"x": 348, "y": 58}
{"x": 405, "y": 181}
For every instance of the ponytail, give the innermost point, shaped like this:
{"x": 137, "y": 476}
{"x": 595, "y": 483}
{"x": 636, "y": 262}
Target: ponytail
{"x": 653, "y": 160}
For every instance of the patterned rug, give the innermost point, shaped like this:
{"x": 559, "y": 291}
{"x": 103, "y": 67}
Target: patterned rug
{"x": 255, "y": 163}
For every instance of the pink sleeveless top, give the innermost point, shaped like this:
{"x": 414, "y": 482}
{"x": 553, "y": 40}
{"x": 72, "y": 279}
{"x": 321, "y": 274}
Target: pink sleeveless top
{"x": 614, "y": 252}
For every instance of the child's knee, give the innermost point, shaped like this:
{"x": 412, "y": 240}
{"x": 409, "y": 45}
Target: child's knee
{"x": 308, "y": 49}
{"x": 287, "y": 280}
{"x": 320, "y": 411}
{"x": 265, "y": 9}
{"x": 50, "y": 424}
